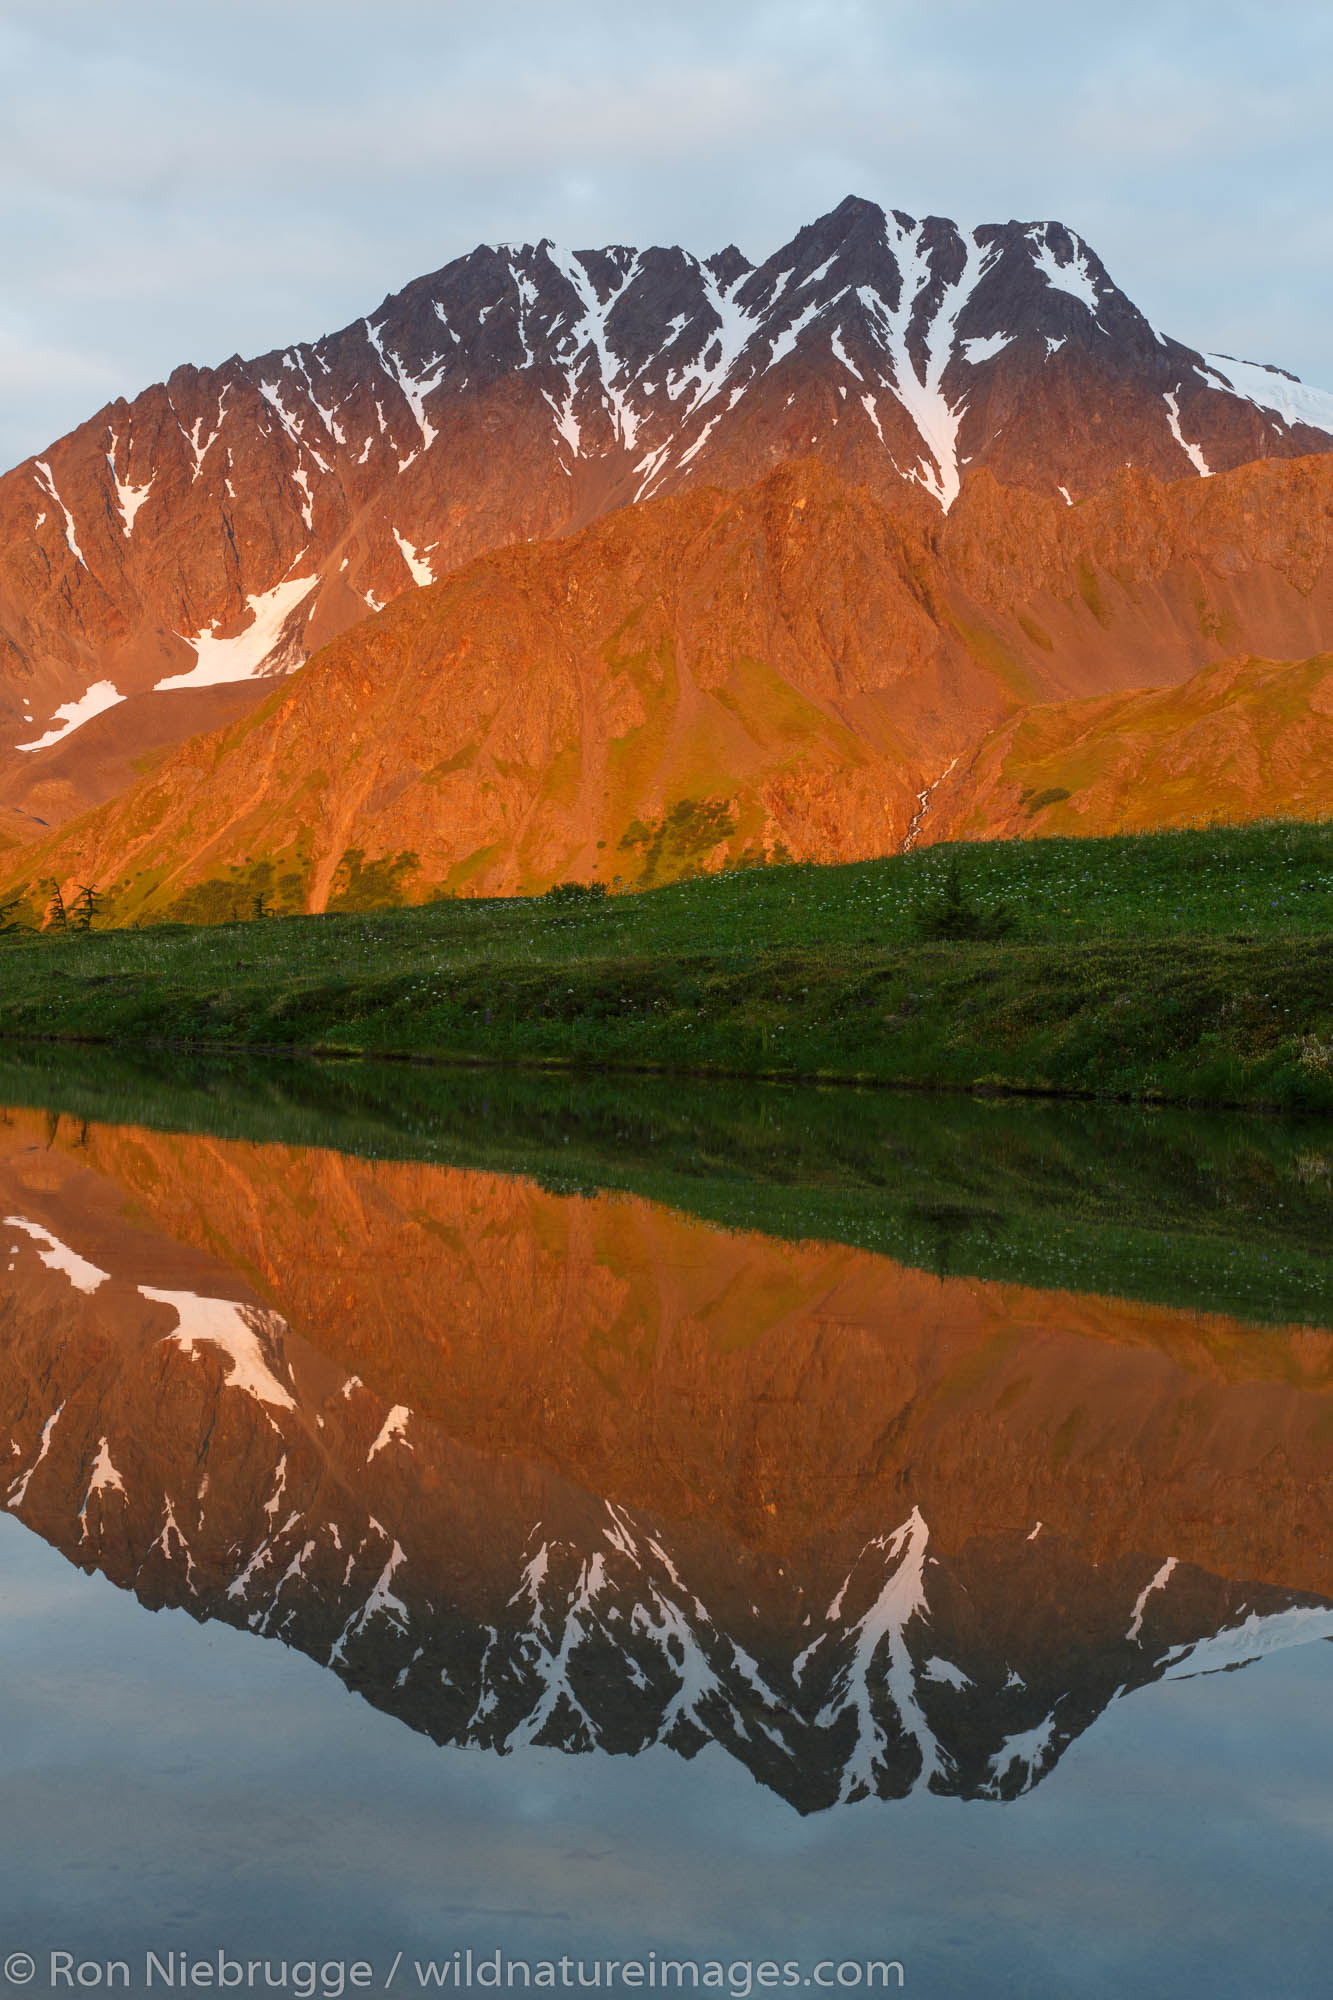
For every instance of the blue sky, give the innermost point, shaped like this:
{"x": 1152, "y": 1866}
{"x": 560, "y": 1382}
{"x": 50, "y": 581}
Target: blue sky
{"x": 182, "y": 179}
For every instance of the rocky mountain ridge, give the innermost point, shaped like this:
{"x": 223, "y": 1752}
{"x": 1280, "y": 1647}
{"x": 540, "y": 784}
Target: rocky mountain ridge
{"x": 790, "y": 670}
{"x": 178, "y": 548}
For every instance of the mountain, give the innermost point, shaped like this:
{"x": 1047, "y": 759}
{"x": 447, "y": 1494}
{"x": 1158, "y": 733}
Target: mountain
{"x": 790, "y": 669}
{"x": 1241, "y": 739}
{"x": 174, "y": 550}
{"x": 641, "y": 1481}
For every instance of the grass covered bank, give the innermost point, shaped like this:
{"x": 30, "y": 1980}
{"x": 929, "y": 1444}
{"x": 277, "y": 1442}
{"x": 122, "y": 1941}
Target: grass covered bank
{"x": 1193, "y": 966}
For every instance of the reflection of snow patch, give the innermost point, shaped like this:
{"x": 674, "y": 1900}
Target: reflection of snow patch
{"x": 879, "y": 1643}
{"x": 18, "y": 1491}
{"x": 72, "y": 715}
{"x": 243, "y": 657}
{"x": 171, "y": 1531}
{"x": 1239, "y": 1644}
{"x": 58, "y": 1256}
{"x": 1158, "y": 1582}
{"x": 393, "y": 1430}
{"x": 104, "y": 1479}
{"x": 381, "y": 1599}
{"x": 237, "y": 1331}
{"x": 238, "y": 1586}
{"x": 1028, "y": 1749}
{"x": 946, "y": 1671}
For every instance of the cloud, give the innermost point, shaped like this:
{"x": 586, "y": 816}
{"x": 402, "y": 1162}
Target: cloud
{"x": 180, "y": 183}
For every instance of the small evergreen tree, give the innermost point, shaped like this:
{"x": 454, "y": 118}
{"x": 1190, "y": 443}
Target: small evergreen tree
{"x": 57, "y": 917}
{"x": 80, "y": 918}
{"x": 951, "y": 918}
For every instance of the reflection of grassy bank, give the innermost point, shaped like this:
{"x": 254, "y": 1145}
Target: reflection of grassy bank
{"x": 1221, "y": 1214}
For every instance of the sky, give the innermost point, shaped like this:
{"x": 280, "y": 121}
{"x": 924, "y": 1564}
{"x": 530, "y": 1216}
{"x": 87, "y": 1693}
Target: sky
{"x": 181, "y": 180}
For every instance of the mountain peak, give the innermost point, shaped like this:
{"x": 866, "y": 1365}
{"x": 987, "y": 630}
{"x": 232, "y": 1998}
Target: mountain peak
{"x": 728, "y": 265}
{"x": 219, "y": 527}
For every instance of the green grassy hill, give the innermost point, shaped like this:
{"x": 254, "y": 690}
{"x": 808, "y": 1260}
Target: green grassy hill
{"x": 1193, "y": 965}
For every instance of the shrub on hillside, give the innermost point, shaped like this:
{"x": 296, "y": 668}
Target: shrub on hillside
{"x": 575, "y": 892}
{"x": 951, "y": 917}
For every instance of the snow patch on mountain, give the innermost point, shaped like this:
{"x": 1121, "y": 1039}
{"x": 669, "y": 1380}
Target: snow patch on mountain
{"x": 414, "y": 388}
{"x": 301, "y": 480}
{"x": 419, "y": 569}
{"x": 243, "y": 656}
{"x": 129, "y": 498}
{"x": 46, "y": 480}
{"x": 721, "y": 344}
{"x": 1271, "y": 389}
{"x": 588, "y": 334}
{"x": 920, "y": 391}
{"x": 199, "y": 452}
{"x": 1074, "y": 277}
{"x": 72, "y": 715}
{"x": 974, "y": 352}
{"x": 1192, "y": 451}
{"x": 272, "y": 394}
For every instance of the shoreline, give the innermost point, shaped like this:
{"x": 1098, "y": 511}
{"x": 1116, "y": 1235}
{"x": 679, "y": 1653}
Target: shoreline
{"x": 571, "y": 1067}
{"x": 1187, "y": 968}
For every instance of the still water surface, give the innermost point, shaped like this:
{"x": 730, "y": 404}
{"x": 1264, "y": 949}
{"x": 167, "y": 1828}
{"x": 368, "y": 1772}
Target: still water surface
{"x": 404, "y": 1555}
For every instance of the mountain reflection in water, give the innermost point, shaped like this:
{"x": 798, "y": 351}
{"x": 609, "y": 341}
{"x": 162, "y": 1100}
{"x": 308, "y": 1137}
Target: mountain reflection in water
{"x": 579, "y": 1470}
